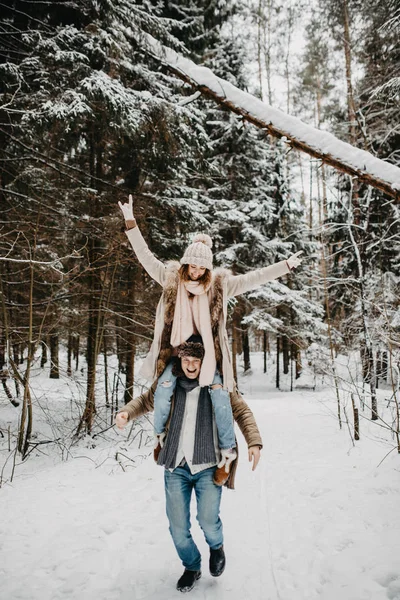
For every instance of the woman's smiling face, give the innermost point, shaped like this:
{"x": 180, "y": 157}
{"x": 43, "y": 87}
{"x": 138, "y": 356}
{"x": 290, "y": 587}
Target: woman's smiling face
{"x": 196, "y": 272}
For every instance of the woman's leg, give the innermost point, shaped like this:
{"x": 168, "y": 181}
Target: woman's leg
{"x": 223, "y": 413}
{"x": 162, "y": 398}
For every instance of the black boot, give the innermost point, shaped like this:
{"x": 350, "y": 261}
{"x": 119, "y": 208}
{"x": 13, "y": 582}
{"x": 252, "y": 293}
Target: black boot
{"x": 187, "y": 581}
{"x": 217, "y": 561}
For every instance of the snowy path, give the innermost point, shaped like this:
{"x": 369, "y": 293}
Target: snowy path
{"x": 317, "y": 520}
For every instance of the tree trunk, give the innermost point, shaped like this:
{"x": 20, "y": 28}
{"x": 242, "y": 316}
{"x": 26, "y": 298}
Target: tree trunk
{"x": 234, "y": 350}
{"x": 95, "y": 289}
{"x": 4, "y": 374}
{"x": 130, "y": 370}
{"x": 385, "y": 365}
{"x": 260, "y": 18}
{"x": 367, "y": 351}
{"x": 265, "y": 349}
{"x": 277, "y": 381}
{"x": 285, "y": 354}
{"x": 15, "y": 359}
{"x": 267, "y": 49}
{"x": 291, "y": 367}
{"x": 120, "y": 345}
{"x": 54, "y": 358}
{"x": 69, "y": 354}
{"x": 91, "y": 353}
{"x": 43, "y": 359}
{"x": 351, "y": 109}
{"x": 299, "y": 366}
{"x": 378, "y": 366}
{"x": 246, "y": 350}
{"x": 395, "y": 392}
{"x": 26, "y": 422}
{"x": 356, "y": 419}
{"x": 324, "y": 271}
{"x": 3, "y": 378}
{"x": 76, "y": 351}
{"x": 106, "y": 370}
{"x": 131, "y": 342}
{"x": 372, "y": 386}
{"x": 365, "y": 362}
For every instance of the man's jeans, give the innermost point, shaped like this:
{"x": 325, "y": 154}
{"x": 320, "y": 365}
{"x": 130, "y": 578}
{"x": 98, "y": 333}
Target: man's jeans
{"x": 219, "y": 398}
{"x": 178, "y": 491}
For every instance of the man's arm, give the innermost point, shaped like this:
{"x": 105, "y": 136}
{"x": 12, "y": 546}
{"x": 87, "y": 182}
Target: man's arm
{"x": 248, "y": 426}
{"x": 140, "y": 405}
{"x": 245, "y": 419}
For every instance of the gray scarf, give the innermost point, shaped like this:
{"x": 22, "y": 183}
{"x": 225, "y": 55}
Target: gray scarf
{"x": 204, "y": 450}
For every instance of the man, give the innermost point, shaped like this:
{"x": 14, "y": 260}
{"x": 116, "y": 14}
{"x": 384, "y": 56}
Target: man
{"x": 190, "y": 455}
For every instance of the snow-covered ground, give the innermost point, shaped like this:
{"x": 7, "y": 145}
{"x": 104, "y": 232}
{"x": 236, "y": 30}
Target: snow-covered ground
{"x": 318, "y": 519}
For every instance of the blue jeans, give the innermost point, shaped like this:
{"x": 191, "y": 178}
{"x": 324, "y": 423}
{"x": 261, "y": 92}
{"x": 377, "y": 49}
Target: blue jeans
{"x": 219, "y": 398}
{"x": 178, "y": 491}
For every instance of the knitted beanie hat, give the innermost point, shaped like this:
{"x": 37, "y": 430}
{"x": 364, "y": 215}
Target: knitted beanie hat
{"x": 199, "y": 252}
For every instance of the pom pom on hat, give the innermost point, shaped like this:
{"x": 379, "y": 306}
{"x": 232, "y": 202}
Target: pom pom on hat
{"x": 199, "y": 252}
{"x": 204, "y": 238}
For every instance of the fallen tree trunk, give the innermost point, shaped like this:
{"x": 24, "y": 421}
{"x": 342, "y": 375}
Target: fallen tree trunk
{"x": 315, "y": 142}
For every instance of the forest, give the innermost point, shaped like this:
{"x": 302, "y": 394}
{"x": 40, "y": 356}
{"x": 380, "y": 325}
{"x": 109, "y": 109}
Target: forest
{"x": 90, "y": 114}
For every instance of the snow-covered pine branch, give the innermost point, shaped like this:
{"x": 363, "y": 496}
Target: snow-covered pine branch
{"x": 319, "y": 144}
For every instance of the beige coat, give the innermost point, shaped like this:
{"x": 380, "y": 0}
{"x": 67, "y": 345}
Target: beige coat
{"x": 231, "y": 285}
{"x": 241, "y": 413}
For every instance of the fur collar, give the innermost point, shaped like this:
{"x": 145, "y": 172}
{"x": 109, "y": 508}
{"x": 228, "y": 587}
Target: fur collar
{"x": 171, "y": 287}
{"x": 169, "y": 300}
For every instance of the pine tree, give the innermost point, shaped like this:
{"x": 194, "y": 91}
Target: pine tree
{"x": 97, "y": 118}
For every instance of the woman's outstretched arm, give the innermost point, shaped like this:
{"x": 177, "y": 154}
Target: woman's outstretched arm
{"x": 154, "y": 267}
{"x": 239, "y": 284}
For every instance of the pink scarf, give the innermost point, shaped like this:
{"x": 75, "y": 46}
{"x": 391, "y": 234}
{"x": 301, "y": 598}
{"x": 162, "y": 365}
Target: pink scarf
{"x": 196, "y": 311}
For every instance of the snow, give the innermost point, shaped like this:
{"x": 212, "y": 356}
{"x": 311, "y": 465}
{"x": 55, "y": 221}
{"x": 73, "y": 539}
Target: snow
{"x": 323, "y": 142}
{"x": 318, "y": 519}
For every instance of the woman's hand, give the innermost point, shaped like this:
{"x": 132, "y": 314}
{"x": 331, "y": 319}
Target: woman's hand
{"x": 127, "y": 209}
{"x": 294, "y": 260}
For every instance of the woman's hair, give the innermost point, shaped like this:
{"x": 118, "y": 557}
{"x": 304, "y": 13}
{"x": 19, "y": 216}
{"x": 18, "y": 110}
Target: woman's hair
{"x": 204, "y": 279}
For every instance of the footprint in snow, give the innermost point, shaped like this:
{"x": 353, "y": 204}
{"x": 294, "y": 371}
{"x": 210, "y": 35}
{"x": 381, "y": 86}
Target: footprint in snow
{"x": 391, "y": 581}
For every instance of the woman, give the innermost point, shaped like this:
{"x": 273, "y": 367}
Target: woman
{"x": 194, "y": 301}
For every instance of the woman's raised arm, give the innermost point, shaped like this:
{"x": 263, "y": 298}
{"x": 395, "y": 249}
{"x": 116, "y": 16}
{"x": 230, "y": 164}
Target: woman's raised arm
{"x": 239, "y": 284}
{"x": 154, "y": 267}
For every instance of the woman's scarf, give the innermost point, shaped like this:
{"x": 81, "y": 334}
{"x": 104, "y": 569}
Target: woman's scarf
{"x": 195, "y": 312}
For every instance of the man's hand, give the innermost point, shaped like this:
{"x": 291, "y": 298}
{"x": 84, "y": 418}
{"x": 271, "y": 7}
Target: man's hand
{"x": 294, "y": 260}
{"x": 254, "y": 455}
{"x": 121, "y": 419}
{"x": 127, "y": 209}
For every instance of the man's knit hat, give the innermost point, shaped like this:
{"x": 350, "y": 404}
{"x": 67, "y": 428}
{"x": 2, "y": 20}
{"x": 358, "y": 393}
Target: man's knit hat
{"x": 199, "y": 252}
{"x": 192, "y": 347}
